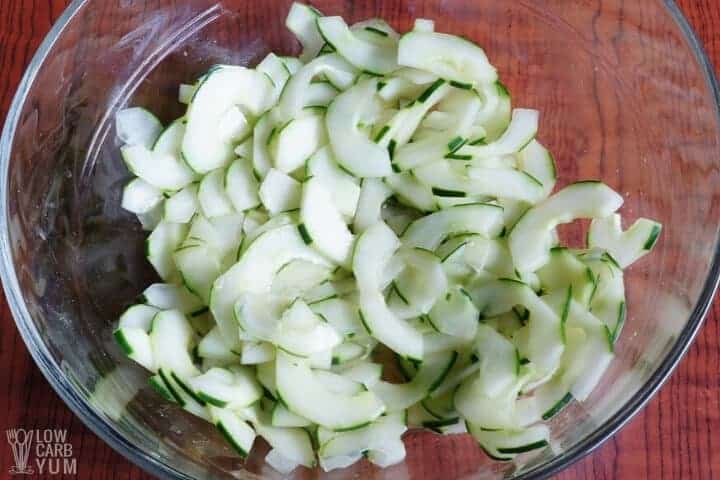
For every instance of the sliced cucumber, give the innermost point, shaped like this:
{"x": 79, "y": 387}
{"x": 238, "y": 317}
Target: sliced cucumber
{"x": 241, "y": 186}
{"x": 365, "y": 55}
{"x": 306, "y": 396}
{"x": 140, "y": 197}
{"x": 411, "y": 191}
{"x": 373, "y": 194}
{"x": 138, "y": 316}
{"x": 421, "y": 283}
{"x": 625, "y": 247}
{"x": 212, "y": 198}
{"x": 447, "y": 56}
{"x": 254, "y": 353}
{"x": 161, "y": 170}
{"x": 282, "y": 417}
{"x": 182, "y": 205}
{"x": 136, "y": 344}
{"x": 238, "y": 433}
{"x": 296, "y": 141}
{"x": 324, "y": 224}
{"x": 162, "y": 242}
{"x": 342, "y": 186}
{"x": 302, "y": 333}
{"x": 449, "y": 179}
{"x": 212, "y": 346}
{"x": 279, "y": 192}
{"x": 429, "y": 231}
{"x": 275, "y": 68}
{"x": 255, "y": 271}
{"x": 367, "y": 373}
{"x": 353, "y": 150}
{"x": 137, "y": 126}
{"x": 301, "y": 21}
{"x": 455, "y": 314}
{"x": 538, "y": 162}
{"x": 227, "y": 388}
{"x": 171, "y": 338}
{"x": 521, "y": 131}
{"x": 293, "y": 443}
{"x": 432, "y": 371}
{"x": 504, "y": 445}
{"x": 166, "y": 296}
{"x": 206, "y": 145}
{"x": 530, "y": 239}
{"x": 199, "y": 267}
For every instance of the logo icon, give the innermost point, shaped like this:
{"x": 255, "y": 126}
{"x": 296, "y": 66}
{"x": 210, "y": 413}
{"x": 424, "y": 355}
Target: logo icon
{"x": 20, "y": 441}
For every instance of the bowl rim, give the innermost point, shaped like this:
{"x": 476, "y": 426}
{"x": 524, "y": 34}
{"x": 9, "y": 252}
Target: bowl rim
{"x": 70, "y": 394}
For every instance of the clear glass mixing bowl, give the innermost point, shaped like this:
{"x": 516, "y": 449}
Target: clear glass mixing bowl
{"x": 626, "y": 95}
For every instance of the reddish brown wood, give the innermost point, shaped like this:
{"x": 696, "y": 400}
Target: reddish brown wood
{"x": 675, "y": 437}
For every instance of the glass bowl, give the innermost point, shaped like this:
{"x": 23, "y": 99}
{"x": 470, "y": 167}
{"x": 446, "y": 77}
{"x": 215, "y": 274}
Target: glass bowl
{"x": 626, "y": 95}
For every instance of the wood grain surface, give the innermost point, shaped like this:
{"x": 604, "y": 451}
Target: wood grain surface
{"x": 677, "y": 436}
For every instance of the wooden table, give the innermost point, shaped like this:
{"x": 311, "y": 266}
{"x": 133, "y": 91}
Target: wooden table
{"x": 677, "y": 436}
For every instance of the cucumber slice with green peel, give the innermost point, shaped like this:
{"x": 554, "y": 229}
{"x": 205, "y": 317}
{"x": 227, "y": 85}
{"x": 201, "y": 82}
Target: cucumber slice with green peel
{"x": 436, "y": 342}
{"x": 199, "y": 266}
{"x": 373, "y": 195}
{"x": 429, "y": 231}
{"x": 348, "y": 352}
{"x": 625, "y": 247}
{"x": 266, "y": 377}
{"x": 498, "y": 362}
{"x": 254, "y": 353}
{"x": 280, "y": 462}
{"x": 320, "y": 94}
{"x": 256, "y": 269}
{"x": 182, "y": 394}
{"x": 263, "y": 132}
{"x": 275, "y": 68}
{"x": 608, "y": 300}
{"x": 353, "y": 150}
{"x": 373, "y": 250}
{"x": 293, "y": 443}
{"x": 279, "y": 192}
{"x": 342, "y": 314}
{"x": 161, "y": 170}
{"x": 206, "y": 145}
{"x": 138, "y": 316}
{"x": 450, "y": 179}
{"x": 306, "y": 396}
{"x": 238, "y": 433}
{"x": 293, "y": 64}
{"x": 565, "y": 270}
{"x": 225, "y": 388}
{"x": 378, "y": 440}
{"x": 296, "y": 141}
{"x": 420, "y": 284}
{"x": 324, "y": 223}
{"x": 135, "y": 343}
{"x": 530, "y": 240}
{"x": 137, "y": 126}
{"x": 542, "y": 336}
{"x": 298, "y": 277}
{"x": 396, "y": 88}
{"x": 415, "y": 75}
{"x": 342, "y": 186}
{"x": 338, "y": 384}
{"x": 495, "y": 114}
{"x": 367, "y": 373}
{"x": 182, "y": 205}
{"x": 455, "y": 314}
{"x": 376, "y": 30}
{"x": 212, "y": 346}
{"x": 241, "y": 186}
{"x": 423, "y": 25}
{"x": 302, "y": 333}
{"x": 538, "y": 162}
{"x": 166, "y": 296}
{"x": 140, "y": 197}
{"x": 432, "y": 371}
{"x": 504, "y": 445}
{"x": 519, "y": 133}
{"x": 301, "y": 21}
{"x": 297, "y": 90}
{"x": 152, "y": 218}
{"x": 265, "y": 225}
{"x": 165, "y": 238}
{"x": 171, "y": 338}
{"x": 364, "y": 55}
{"x": 282, "y": 417}
{"x": 447, "y": 56}
{"x": 212, "y": 197}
